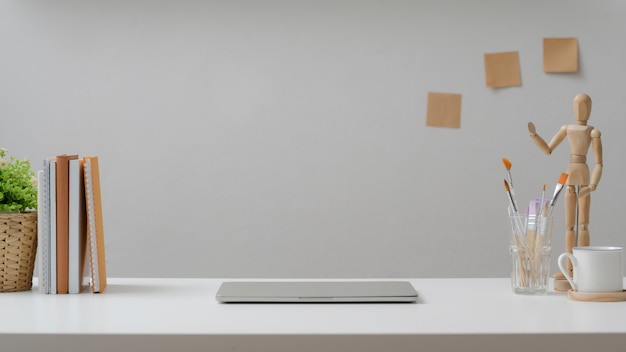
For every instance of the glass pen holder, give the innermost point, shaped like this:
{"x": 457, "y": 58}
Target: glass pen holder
{"x": 530, "y": 248}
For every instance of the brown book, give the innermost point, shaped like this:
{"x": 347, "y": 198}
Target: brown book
{"x": 63, "y": 220}
{"x": 95, "y": 224}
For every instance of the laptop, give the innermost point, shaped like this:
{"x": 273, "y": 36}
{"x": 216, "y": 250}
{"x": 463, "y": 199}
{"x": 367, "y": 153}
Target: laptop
{"x": 316, "y": 291}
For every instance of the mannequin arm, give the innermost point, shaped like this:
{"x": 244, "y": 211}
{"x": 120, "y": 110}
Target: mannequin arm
{"x": 596, "y": 143}
{"x": 556, "y": 140}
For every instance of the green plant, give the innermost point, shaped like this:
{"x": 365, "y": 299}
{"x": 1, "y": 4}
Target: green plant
{"x": 18, "y": 184}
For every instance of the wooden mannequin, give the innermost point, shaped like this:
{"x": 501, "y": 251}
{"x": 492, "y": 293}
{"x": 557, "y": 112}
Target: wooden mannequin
{"x": 579, "y": 183}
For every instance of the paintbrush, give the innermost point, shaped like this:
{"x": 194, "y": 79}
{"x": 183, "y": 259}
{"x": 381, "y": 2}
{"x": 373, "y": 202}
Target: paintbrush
{"x": 507, "y": 165}
{"x": 542, "y": 210}
{"x": 540, "y": 232}
{"x": 518, "y": 230}
{"x": 532, "y": 220}
{"x": 533, "y": 253}
{"x": 518, "y": 237}
{"x": 507, "y": 187}
{"x": 557, "y": 190}
{"x": 542, "y": 206}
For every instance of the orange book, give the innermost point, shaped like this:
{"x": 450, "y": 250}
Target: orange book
{"x": 95, "y": 224}
{"x": 63, "y": 220}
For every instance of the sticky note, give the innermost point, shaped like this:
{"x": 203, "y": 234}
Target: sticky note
{"x": 560, "y": 55}
{"x": 502, "y": 69}
{"x": 444, "y": 110}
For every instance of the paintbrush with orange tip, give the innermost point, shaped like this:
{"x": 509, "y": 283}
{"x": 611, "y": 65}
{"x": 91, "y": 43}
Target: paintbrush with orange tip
{"x": 507, "y": 165}
{"x": 557, "y": 190}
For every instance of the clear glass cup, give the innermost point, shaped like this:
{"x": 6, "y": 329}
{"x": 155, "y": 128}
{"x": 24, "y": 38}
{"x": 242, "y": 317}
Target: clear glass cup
{"x": 530, "y": 247}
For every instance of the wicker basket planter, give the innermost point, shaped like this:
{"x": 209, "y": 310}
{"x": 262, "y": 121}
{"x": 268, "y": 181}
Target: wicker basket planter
{"x": 18, "y": 248}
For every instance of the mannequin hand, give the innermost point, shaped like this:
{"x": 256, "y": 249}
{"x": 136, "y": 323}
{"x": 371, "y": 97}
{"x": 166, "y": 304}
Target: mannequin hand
{"x": 531, "y": 129}
{"x": 585, "y": 190}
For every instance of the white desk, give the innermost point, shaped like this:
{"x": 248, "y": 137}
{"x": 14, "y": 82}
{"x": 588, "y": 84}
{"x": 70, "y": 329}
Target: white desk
{"x": 182, "y": 315}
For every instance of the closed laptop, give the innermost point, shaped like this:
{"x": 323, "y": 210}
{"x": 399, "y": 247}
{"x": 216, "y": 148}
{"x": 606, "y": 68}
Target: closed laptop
{"x": 316, "y": 291}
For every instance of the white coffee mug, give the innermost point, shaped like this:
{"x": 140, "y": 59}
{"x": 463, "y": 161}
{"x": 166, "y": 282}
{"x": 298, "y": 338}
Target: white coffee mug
{"x": 596, "y": 269}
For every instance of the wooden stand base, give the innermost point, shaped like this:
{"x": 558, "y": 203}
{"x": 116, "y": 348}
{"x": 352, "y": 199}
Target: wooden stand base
{"x": 597, "y": 297}
{"x": 562, "y": 285}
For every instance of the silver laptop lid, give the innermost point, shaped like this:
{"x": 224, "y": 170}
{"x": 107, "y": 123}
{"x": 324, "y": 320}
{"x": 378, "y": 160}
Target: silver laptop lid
{"x": 316, "y": 291}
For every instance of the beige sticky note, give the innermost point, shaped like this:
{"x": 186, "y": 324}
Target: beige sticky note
{"x": 560, "y": 55}
{"x": 444, "y": 110}
{"x": 502, "y": 69}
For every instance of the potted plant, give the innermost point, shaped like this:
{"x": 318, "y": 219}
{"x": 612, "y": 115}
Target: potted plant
{"x": 18, "y": 223}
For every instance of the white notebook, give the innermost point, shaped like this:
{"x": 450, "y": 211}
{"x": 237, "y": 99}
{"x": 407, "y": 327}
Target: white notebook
{"x": 43, "y": 225}
{"x": 52, "y": 278}
{"x": 316, "y": 291}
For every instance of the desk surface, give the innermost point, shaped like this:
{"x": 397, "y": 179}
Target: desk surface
{"x": 184, "y": 311}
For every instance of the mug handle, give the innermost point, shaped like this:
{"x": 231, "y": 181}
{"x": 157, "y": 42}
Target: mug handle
{"x": 562, "y": 261}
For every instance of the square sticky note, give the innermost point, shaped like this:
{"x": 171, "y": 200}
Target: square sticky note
{"x": 560, "y": 55}
{"x": 502, "y": 69}
{"x": 444, "y": 110}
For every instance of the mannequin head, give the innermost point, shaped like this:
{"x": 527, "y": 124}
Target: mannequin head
{"x": 582, "y": 108}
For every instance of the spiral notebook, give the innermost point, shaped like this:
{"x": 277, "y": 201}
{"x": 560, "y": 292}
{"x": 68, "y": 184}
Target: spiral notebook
{"x": 95, "y": 226}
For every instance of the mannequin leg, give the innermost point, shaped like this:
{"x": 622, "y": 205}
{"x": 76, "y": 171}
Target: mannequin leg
{"x": 570, "y": 235}
{"x": 584, "y": 204}
{"x": 570, "y": 222}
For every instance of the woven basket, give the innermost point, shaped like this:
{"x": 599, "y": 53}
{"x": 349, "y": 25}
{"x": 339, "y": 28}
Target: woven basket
{"x": 18, "y": 248}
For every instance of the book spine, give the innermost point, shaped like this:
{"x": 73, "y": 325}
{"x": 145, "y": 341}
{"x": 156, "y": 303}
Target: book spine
{"x": 41, "y": 219}
{"x": 62, "y": 183}
{"x": 91, "y": 225}
{"x": 52, "y": 281}
{"x": 97, "y": 196}
{"x": 76, "y": 201}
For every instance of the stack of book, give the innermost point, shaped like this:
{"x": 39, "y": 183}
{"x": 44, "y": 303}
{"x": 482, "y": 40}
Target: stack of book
{"x": 70, "y": 232}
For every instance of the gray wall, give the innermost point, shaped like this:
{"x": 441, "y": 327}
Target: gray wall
{"x": 288, "y": 138}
